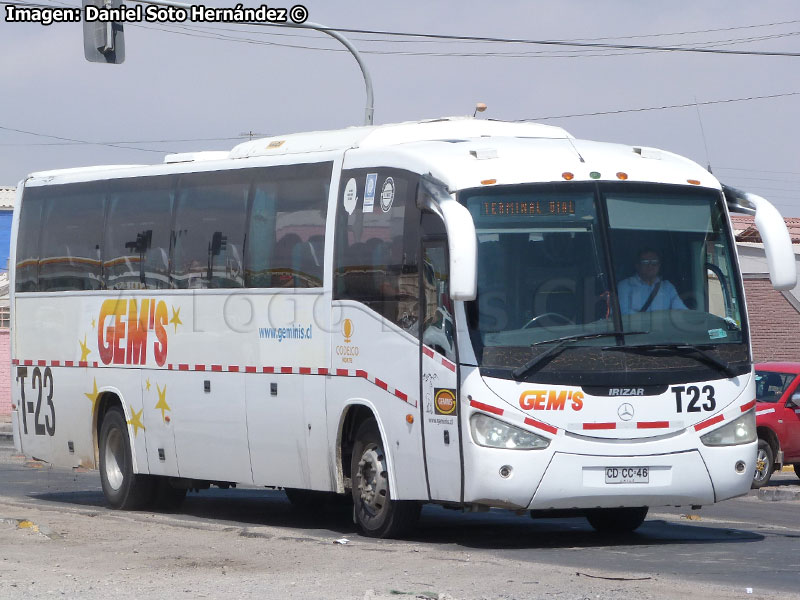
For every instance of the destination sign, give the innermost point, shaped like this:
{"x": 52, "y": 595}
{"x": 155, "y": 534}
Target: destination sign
{"x": 527, "y": 208}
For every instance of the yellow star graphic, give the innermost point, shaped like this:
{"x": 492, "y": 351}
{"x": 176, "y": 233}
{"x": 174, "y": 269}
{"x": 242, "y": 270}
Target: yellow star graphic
{"x": 92, "y": 395}
{"x": 147, "y": 386}
{"x": 176, "y": 318}
{"x": 85, "y": 352}
{"x": 136, "y": 421}
{"x": 162, "y": 402}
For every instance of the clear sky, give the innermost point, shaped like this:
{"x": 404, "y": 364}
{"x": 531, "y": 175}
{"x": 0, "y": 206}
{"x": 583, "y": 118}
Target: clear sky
{"x": 212, "y": 83}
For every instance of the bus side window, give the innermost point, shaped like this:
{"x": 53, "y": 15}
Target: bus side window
{"x": 72, "y": 233}
{"x": 375, "y": 260}
{"x": 286, "y": 231}
{"x": 136, "y": 243}
{"x": 27, "y": 259}
{"x": 209, "y": 230}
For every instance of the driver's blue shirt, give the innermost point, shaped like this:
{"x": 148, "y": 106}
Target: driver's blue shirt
{"x": 633, "y": 293}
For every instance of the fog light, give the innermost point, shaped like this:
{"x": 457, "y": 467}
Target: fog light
{"x": 505, "y": 471}
{"x": 740, "y": 466}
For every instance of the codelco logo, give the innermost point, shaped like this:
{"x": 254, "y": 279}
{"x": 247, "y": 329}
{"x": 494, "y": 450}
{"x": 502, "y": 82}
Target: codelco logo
{"x": 550, "y": 399}
{"x": 346, "y": 351}
{"x": 123, "y": 328}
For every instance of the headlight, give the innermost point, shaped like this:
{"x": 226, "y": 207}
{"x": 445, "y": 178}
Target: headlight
{"x": 740, "y": 431}
{"x": 490, "y": 432}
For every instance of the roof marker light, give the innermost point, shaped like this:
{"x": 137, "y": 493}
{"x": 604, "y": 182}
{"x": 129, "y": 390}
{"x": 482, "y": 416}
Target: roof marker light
{"x": 693, "y": 181}
{"x": 568, "y": 176}
{"x": 488, "y": 181}
{"x": 594, "y": 175}
{"x": 622, "y": 176}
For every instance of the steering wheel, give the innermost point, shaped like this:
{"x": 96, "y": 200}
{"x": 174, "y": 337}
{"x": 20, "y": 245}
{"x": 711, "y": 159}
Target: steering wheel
{"x": 558, "y": 317}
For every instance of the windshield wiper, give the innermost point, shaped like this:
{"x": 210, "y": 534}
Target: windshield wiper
{"x": 689, "y": 349}
{"x": 560, "y": 344}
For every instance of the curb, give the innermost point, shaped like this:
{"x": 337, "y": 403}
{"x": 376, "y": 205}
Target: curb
{"x": 779, "y": 495}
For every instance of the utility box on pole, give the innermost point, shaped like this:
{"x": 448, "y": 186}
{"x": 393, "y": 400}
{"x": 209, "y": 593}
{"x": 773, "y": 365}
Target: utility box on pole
{"x": 103, "y": 41}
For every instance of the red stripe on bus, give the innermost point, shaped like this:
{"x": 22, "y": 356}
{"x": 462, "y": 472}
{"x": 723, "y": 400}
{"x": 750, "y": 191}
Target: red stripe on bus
{"x": 233, "y": 368}
{"x": 199, "y": 367}
{"x": 652, "y": 425}
{"x": 342, "y": 372}
{"x": 169, "y": 367}
{"x": 748, "y": 406}
{"x": 183, "y": 367}
{"x": 592, "y": 426}
{"x": 41, "y": 363}
{"x": 55, "y": 363}
{"x": 485, "y": 407}
{"x": 449, "y": 365}
{"x": 540, "y": 425}
{"x": 362, "y": 374}
{"x": 28, "y": 363}
{"x": 68, "y": 363}
{"x": 322, "y": 371}
{"x": 709, "y": 423}
{"x": 15, "y": 361}
{"x": 94, "y": 364}
{"x": 401, "y": 395}
{"x": 381, "y": 384}
{"x": 305, "y": 370}
{"x": 286, "y": 370}
{"x": 81, "y": 363}
{"x": 216, "y": 368}
{"x": 268, "y": 370}
{"x": 250, "y": 369}
{"x": 427, "y": 351}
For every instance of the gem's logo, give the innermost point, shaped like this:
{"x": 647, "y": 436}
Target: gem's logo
{"x": 444, "y": 401}
{"x": 124, "y": 328}
{"x": 550, "y": 399}
{"x": 347, "y": 330}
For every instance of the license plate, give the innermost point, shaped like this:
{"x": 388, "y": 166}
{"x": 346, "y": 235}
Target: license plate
{"x": 627, "y": 474}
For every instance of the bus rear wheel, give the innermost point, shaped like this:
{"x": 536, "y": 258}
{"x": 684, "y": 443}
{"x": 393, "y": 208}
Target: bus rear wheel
{"x": 374, "y": 511}
{"x": 616, "y": 520}
{"x": 122, "y": 487}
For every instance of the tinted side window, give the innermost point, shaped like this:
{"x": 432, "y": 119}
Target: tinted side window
{"x": 377, "y": 242}
{"x": 72, "y": 235}
{"x": 136, "y": 245}
{"x": 286, "y": 236}
{"x": 208, "y": 239}
{"x": 27, "y": 260}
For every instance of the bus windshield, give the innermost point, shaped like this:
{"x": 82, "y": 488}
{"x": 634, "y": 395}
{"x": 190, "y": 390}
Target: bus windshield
{"x": 646, "y": 268}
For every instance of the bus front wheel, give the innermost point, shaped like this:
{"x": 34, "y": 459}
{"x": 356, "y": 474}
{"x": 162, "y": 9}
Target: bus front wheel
{"x": 374, "y": 511}
{"x": 765, "y": 460}
{"x": 616, "y": 520}
{"x": 122, "y": 487}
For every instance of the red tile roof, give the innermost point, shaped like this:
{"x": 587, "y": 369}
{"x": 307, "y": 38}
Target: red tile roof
{"x": 745, "y": 230}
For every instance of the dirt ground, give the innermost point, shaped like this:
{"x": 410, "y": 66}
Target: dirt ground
{"x": 78, "y": 552}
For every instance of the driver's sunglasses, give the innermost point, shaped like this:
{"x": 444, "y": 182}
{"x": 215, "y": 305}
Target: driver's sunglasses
{"x": 650, "y": 261}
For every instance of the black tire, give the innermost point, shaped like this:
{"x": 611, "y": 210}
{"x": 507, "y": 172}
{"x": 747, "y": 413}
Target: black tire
{"x": 765, "y": 463}
{"x": 122, "y": 487}
{"x": 166, "y": 496}
{"x": 616, "y": 520}
{"x": 797, "y": 469}
{"x": 374, "y": 511}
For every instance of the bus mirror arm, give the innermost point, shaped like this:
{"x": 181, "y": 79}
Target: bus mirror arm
{"x": 772, "y": 229}
{"x": 462, "y": 240}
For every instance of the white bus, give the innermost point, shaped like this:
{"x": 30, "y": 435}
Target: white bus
{"x": 458, "y": 312}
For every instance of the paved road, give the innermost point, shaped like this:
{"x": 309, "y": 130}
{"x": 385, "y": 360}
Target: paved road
{"x": 742, "y": 543}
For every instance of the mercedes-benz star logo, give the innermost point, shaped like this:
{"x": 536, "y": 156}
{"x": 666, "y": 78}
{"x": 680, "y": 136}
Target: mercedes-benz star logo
{"x": 625, "y": 411}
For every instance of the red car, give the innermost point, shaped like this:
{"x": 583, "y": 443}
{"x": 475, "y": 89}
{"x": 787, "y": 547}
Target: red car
{"x": 777, "y": 419}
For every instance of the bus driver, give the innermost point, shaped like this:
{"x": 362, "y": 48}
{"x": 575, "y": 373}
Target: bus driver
{"x": 646, "y": 291}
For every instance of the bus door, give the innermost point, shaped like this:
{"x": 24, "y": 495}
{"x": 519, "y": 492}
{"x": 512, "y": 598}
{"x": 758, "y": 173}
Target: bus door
{"x": 439, "y": 375}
